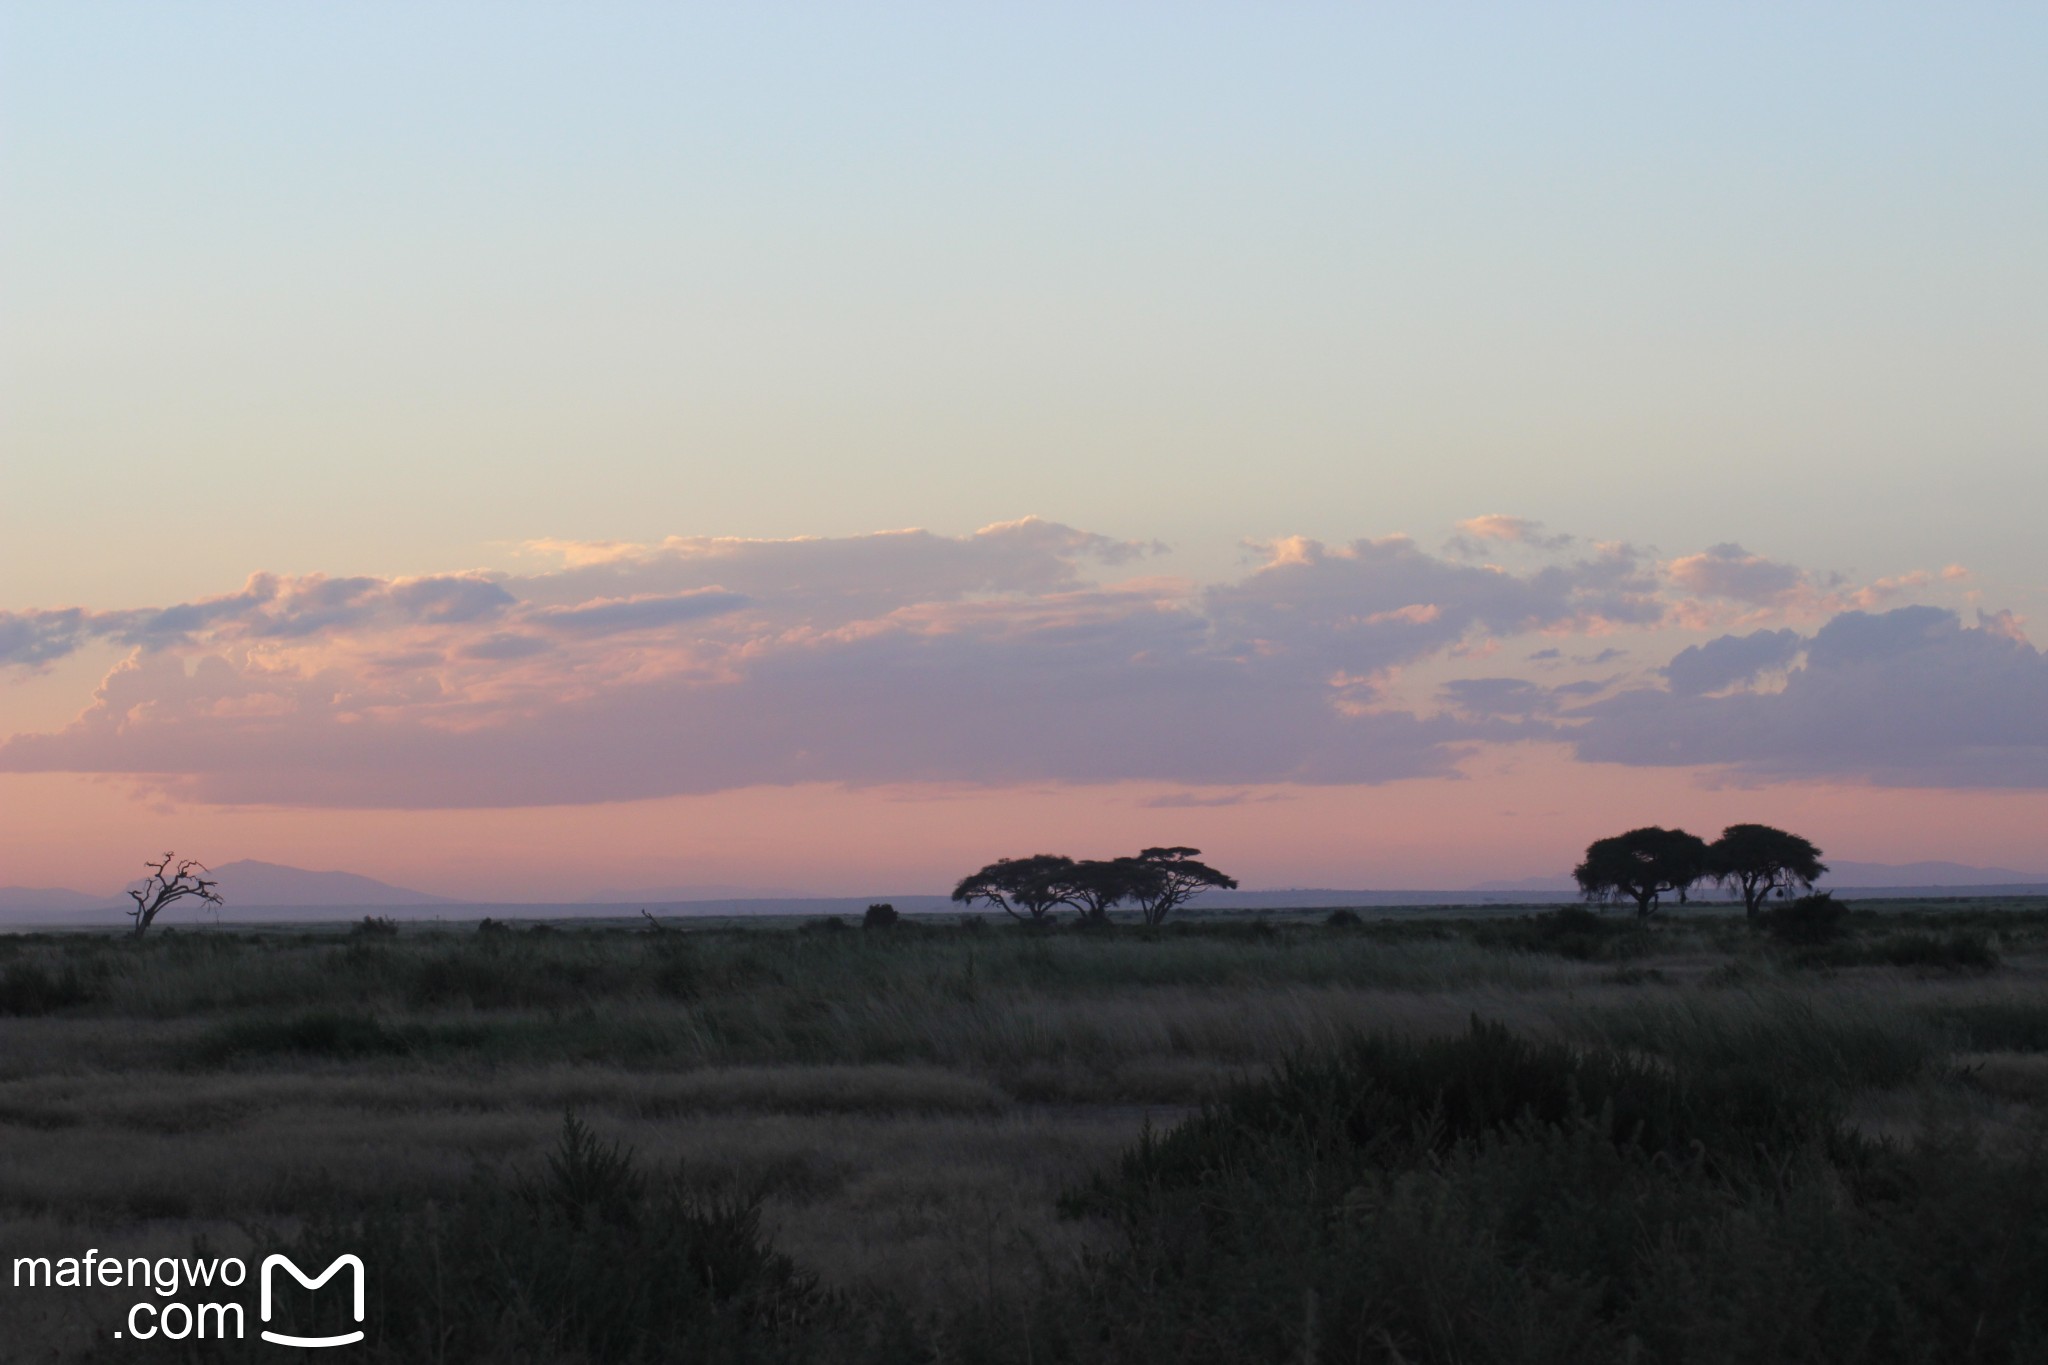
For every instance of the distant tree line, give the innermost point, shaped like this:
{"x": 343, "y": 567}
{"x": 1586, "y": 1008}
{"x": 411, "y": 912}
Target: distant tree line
{"x": 1645, "y": 865}
{"x": 1030, "y": 890}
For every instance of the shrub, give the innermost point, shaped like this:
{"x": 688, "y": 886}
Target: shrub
{"x": 1571, "y": 932}
{"x": 592, "y": 1257}
{"x": 319, "y": 1033}
{"x": 831, "y": 924}
{"x": 1818, "y": 918}
{"x": 1385, "y": 1103}
{"x": 1489, "y": 1198}
{"x": 374, "y": 926}
{"x": 1342, "y": 919}
{"x": 32, "y": 988}
{"x": 678, "y": 971}
{"x": 882, "y": 916}
{"x": 1960, "y": 950}
{"x": 1999, "y": 1025}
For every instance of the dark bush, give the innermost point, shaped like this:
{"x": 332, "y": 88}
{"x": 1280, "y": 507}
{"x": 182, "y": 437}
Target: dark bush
{"x": 1961, "y": 950}
{"x": 1571, "y": 932}
{"x": 678, "y": 971}
{"x": 881, "y": 916}
{"x": 1493, "y": 1199}
{"x": 1382, "y": 1102}
{"x": 332, "y": 1035}
{"x": 32, "y": 988}
{"x": 487, "y": 925}
{"x": 590, "y": 1258}
{"x": 490, "y": 975}
{"x": 1999, "y": 1025}
{"x": 320, "y": 1033}
{"x": 831, "y": 924}
{"x": 1818, "y": 918}
{"x": 374, "y": 926}
{"x": 1342, "y": 919}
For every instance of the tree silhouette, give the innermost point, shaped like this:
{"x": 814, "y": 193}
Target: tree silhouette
{"x": 1034, "y": 885}
{"x": 1761, "y": 861}
{"x": 167, "y": 885}
{"x": 1163, "y": 878}
{"x": 1642, "y": 864}
{"x": 1098, "y": 884}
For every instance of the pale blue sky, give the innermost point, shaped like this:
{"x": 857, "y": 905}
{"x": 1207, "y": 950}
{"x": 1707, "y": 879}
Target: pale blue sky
{"x": 388, "y": 288}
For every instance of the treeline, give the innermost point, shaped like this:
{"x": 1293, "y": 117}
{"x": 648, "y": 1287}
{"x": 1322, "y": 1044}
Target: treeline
{"x": 1644, "y": 865}
{"x": 1031, "y": 889}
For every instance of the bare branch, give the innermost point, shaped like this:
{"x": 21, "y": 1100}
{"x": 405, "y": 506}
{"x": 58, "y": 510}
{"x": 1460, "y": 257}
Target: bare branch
{"x": 165, "y": 887}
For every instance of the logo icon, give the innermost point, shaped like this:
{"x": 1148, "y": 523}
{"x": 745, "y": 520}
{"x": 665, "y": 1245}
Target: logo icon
{"x": 279, "y": 1338}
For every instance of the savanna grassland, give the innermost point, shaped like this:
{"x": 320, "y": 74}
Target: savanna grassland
{"x": 1520, "y": 1137}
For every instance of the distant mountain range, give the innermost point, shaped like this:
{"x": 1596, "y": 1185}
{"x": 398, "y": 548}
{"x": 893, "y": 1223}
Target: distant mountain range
{"x": 253, "y": 883}
{"x": 670, "y": 895}
{"x": 248, "y": 884}
{"x": 255, "y": 888}
{"x": 1843, "y": 873}
{"x": 14, "y": 899}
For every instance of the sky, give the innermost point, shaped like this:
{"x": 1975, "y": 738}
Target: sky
{"x": 510, "y": 449}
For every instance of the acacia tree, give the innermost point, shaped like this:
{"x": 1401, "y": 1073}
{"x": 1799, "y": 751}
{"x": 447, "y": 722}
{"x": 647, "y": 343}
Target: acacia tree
{"x": 1034, "y": 885}
{"x": 1761, "y": 861}
{"x": 1162, "y": 878}
{"x": 1643, "y": 865}
{"x": 1098, "y": 884}
{"x": 168, "y": 884}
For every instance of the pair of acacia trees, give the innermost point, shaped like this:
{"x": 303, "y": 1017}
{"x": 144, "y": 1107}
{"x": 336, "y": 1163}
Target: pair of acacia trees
{"x": 1030, "y": 889}
{"x": 1646, "y": 864}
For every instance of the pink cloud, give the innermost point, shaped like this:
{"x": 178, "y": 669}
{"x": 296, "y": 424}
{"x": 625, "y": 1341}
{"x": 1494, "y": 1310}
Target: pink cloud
{"x": 1729, "y": 571}
{"x": 1494, "y": 528}
{"x": 707, "y": 664}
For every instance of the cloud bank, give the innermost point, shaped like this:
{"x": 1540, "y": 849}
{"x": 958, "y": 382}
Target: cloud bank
{"x": 1909, "y": 697}
{"x": 1025, "y": 652}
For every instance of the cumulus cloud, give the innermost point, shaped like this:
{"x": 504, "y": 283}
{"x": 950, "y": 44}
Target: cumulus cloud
{"x": 1127, "y": 694}
{"x": 33, "y": 638}
{"x": 705, "y": 663}
{"x": 1908, "y": 697}
{"x": 1729, "y": 571}
{"x": 1474, "y": 534}
{"x": 611, "y": 616}
{"x": 268, "y": 608}
{"x": 1013, "y": 654}
{"x": 1731, "y": 660}
{"x": 1379, "y": 602}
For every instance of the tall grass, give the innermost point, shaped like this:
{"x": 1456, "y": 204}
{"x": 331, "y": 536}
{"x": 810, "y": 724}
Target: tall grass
{"x": 1649, "y": 1156}
{"x": 1483, "y": 1198}
{"x": 1491, "y": 1199}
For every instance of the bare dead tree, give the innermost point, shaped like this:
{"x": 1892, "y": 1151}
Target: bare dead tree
{"x": 167, "y": 885}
